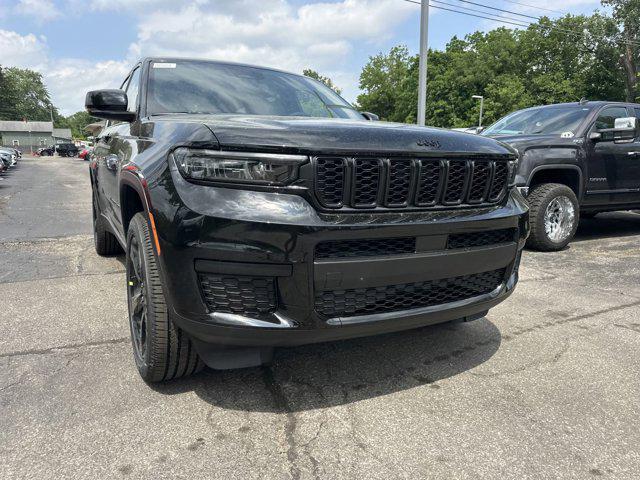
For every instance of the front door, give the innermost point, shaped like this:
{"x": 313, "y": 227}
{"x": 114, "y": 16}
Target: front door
{"x": 119, "y": 150}
{"x": 614, "y": 169}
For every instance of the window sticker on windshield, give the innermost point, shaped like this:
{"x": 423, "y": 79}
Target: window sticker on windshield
{"x": 164, "y": 65}
{"x": 566, "y": 135}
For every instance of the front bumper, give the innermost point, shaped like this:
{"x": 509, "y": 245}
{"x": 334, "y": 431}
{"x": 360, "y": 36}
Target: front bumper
{"x": 209, "y": 231}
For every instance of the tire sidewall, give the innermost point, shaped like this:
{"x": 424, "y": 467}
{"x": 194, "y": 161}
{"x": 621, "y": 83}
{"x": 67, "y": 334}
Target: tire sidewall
{"x": 555, "y": 192}
{"x": 144, "y": 365}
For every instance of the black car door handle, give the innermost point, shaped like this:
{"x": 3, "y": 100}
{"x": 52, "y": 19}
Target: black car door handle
{"x": 634, "y": 154}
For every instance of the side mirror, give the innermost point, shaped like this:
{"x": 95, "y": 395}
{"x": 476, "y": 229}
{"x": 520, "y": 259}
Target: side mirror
{"x": 110, "y": 104}
{"x": 372, "y": 117}
{"x": 625, "y": 129}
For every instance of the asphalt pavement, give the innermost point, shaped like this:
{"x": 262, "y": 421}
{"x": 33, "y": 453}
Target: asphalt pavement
{"x": 546, "y": 386}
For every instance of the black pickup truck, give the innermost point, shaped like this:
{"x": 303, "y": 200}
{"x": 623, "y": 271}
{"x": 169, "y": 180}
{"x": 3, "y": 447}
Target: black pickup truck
{"x": 257, "y": 208}
{"x": 576, "y": 160}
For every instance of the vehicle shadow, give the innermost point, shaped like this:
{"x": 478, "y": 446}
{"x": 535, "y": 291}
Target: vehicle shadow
{"x": 330, "y": 374}
{"x": 608, "y": 225}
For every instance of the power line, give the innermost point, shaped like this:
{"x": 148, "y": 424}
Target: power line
{"x": 499, "y": 9}
{"x": 518, "y": 23}
{"x": 535, "y": 6}
{"x": 476, "y": 10}
{"x": 470, "y": 14}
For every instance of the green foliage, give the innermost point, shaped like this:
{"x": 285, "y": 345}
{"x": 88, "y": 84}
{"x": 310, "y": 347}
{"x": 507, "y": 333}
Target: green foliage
{"x": 626, "y": 14}
{"x": 307, "y": 72}
{"x": 77, "y": 122}
{"x": 24, "y": 95}
{"x": 552, "y": 61}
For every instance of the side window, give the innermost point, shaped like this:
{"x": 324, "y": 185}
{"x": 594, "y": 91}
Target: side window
{"x": 132, "y": 90}
{"x": 637, "y": 113}
{"x": 607, "y": 117}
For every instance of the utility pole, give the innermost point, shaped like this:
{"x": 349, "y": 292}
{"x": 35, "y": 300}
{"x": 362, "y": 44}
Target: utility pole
{"x": 422, "y": 78}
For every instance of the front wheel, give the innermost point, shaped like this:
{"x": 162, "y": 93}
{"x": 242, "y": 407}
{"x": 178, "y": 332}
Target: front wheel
{"x": 160, "y": 349}
{"x": 554, "y": 213}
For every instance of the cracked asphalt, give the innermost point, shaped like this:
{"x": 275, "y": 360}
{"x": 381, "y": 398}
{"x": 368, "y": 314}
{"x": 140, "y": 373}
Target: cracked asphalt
{"x": 546, "y": 386}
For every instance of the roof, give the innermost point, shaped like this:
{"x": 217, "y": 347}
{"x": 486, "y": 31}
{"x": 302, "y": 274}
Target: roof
{"x": 62, "y": 133}
{"x": 12, "y": 126}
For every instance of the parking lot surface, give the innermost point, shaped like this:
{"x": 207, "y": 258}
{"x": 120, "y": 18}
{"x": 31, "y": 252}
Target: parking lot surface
{"x": 547, "y": 386}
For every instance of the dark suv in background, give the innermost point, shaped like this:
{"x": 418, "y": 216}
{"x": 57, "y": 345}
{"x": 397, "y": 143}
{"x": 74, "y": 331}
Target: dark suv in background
{"x": 257, "y": 208}
{"x": 576, "y": 159}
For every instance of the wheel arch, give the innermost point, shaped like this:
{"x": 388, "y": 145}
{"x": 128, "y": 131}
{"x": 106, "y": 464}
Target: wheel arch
{"x": 133, "y": 196}
{"x": 569, "y": 175}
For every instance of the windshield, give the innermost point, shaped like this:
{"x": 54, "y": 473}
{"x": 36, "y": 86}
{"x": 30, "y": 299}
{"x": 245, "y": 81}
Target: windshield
{"x": 215, "y": 88}
{"x": 557, "y": 120}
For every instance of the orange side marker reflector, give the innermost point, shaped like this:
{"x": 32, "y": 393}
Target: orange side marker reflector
{"x": 155, "y": 234}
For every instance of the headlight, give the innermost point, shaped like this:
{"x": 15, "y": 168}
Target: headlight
{"x": 513, "y": 169}
{"x": 239, "y": 167}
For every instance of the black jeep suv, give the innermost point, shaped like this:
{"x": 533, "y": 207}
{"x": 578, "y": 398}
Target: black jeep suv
{"x": 576, "y": 159}
{"x": 258, "y": 209}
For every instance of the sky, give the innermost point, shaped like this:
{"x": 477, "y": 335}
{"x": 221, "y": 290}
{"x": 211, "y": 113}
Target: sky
{"x": 81, "y": 45}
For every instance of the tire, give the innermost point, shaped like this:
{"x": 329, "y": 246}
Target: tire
{"x": 160, "y": 349}
{"x": 104, "y": 241}
{"x": 539, "y": 199}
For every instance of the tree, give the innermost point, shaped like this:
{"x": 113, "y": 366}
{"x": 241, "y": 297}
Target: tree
{"x": 27, "y": 96}
{"x": 626, "y": 13}
{"x": 77, "y": 123}
{"x": 384, "y": 81}
{"x": 307, "y": 72}
{"x": 552, "y": 61}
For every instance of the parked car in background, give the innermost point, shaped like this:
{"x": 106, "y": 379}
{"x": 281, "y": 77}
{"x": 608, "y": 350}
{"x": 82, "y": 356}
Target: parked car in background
{"x": 66, "y": 150}
{"x": 576, "y": 160}
{"x": 85, "y": 153}
{"x": 257, "y": 208}
{"x": 45, "y": 151}
{"x": 8, "y": 157}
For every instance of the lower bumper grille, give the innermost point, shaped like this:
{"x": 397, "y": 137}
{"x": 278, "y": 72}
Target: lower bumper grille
{"x": 366, "y": 247}
{"x": 481, "y": 239}
{"x": 389, "y": 298}
{"x": 242, "y": 295}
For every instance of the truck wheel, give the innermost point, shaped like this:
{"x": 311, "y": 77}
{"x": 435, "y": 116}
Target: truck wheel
{"x": 160, "y": 349}
{"x": 104, "y": 241}
{"x": 554, "y": 213}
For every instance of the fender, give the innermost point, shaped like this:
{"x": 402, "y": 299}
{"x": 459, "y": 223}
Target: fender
{"x": 131, "y": 175}
{"x": 565, "y": 166}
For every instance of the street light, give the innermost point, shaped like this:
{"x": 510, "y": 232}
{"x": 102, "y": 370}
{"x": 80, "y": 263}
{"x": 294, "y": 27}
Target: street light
{"x": 481, "y": 98}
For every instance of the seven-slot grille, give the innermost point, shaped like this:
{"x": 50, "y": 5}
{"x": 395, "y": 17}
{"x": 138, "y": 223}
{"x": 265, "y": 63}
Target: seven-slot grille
{"x": 367, "y": 183}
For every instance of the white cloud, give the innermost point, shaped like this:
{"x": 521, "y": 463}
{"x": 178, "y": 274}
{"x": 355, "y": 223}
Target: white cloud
{"x": 319, "y": 35}
{"x": 275, "y": 33}
{"x": 39, "y": 10}
{"x": 67, "y": 80}
{"x": 22, "y": 51}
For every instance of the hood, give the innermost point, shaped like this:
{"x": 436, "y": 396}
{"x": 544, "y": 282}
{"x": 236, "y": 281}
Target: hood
{"x": 523, "y": 142}
{"x": 332, "y": 135}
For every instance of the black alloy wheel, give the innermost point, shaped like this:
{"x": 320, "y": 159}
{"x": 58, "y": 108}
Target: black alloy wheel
{"x": 137, "y": 295}
{"x": 160, "y": 349}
